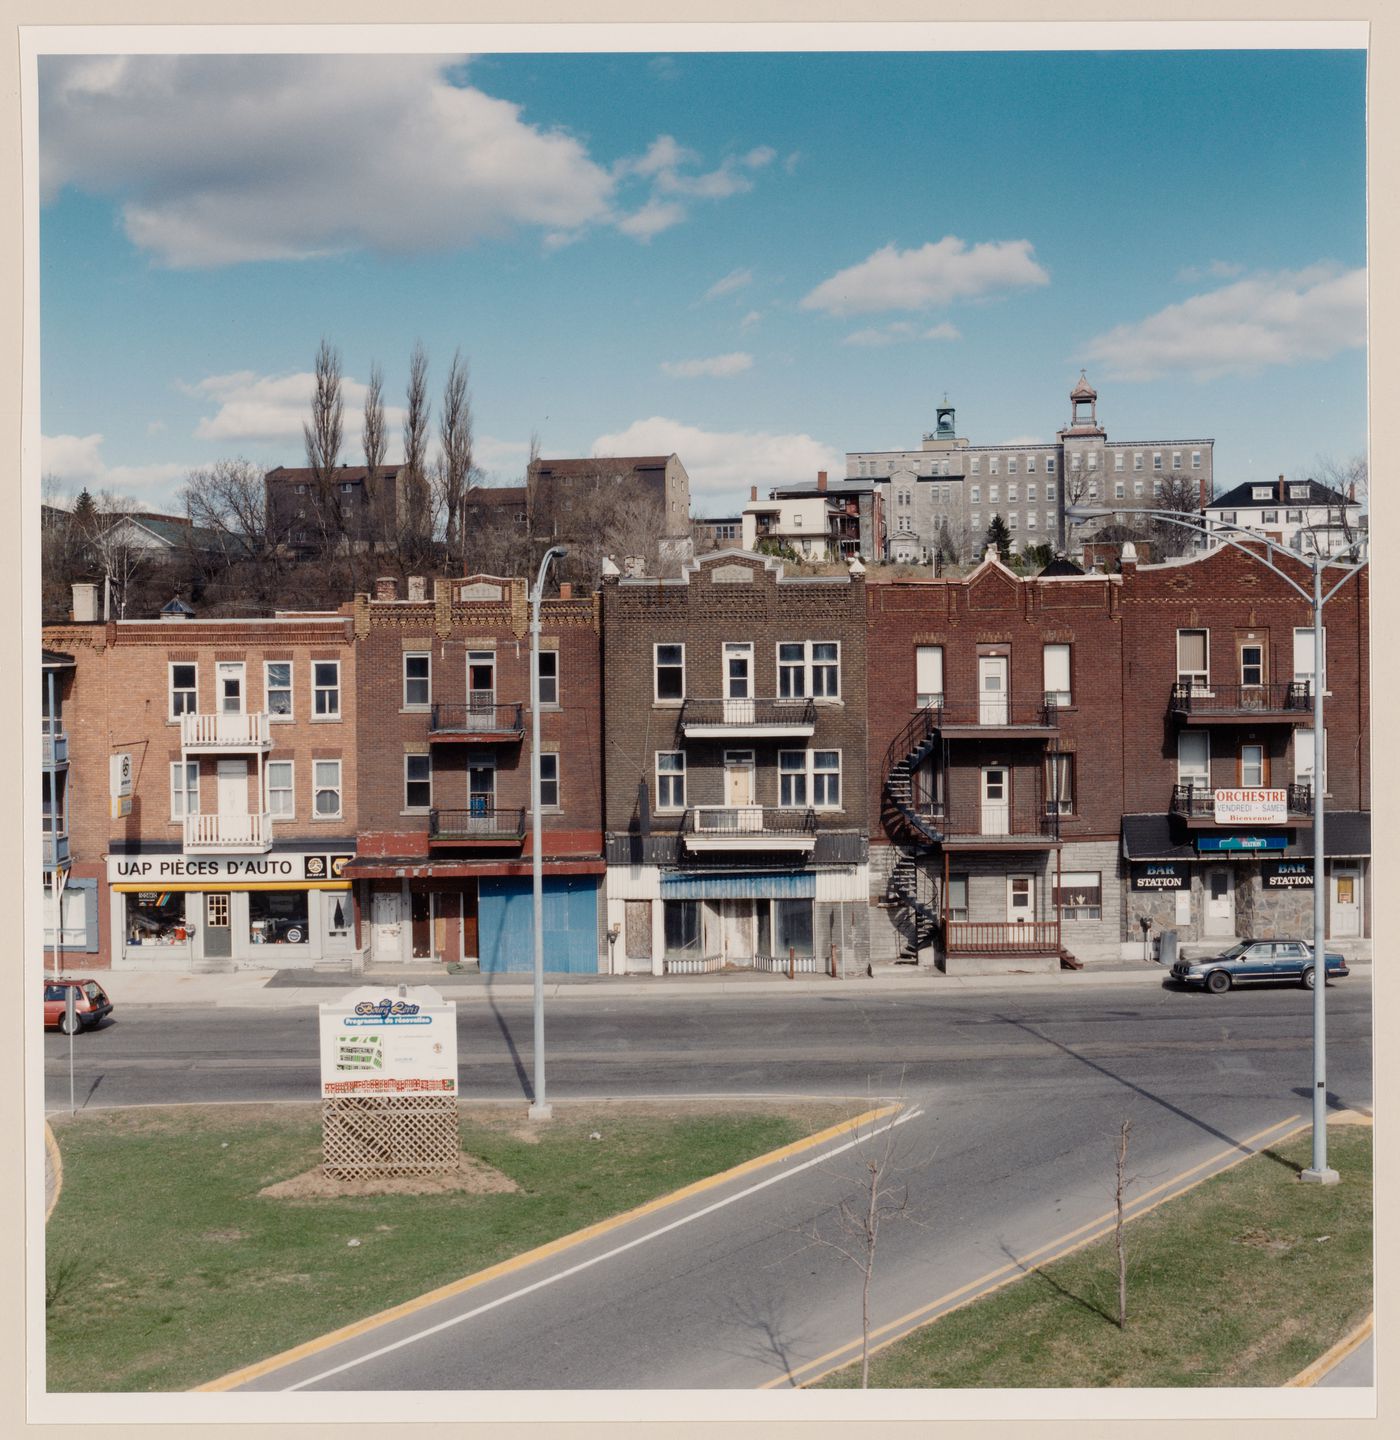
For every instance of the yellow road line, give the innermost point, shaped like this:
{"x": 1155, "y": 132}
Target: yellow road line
{"x": 1335, "y": 1355}
{"x": 51, "y": 1145}
{"x": 1005, "y": 1274}
{"x": 540, "y": 1252}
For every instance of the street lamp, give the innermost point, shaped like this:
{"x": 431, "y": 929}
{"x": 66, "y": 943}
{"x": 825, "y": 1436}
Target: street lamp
{"x": 1318, "y": 1173}
{"x": 540, "y": 1108}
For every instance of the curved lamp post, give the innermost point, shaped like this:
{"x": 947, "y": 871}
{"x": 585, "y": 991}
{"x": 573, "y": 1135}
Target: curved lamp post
{"x": 1318, "y": 1173}
{"x": 539, "y": 1108}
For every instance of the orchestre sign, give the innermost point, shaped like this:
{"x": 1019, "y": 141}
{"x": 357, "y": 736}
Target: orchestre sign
{"x": 1251, "y": 807}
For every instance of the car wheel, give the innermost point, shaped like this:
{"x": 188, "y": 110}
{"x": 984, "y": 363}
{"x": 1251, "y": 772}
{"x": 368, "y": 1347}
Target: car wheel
{"x": 1217, "y": 982}
{"x": 65, "y": 1028}
{"x": 1310, "y": 978}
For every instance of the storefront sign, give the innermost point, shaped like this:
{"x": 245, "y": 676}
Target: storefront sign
{"x": 122, "y": 776}
{"x": 1287, "y": 874}
{"x": 1212, "y": 844}
{"x": 224, "y": 869}
{"x": 1161, "y": 875}
{"x": 1251, "y": 807}
{"x": 374, "y": 1043}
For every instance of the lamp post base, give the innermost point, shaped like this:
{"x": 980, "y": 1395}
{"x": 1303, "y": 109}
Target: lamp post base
{"x": 546, "y": 1112}
{"x": 1319, "y": 1177}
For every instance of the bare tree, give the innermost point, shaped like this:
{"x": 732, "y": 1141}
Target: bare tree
{"x": 414, "y": 512}
{"x": 455, "y": 433}
{"x": 1179, "y": 493}
{"x": 241, "y": 555}
{"x": 108, "y": 541}
{"x": 373, "y": 441}
{"x": 323, "y": 437}
{"x": 1120, "y": 1184}
{"x": 1350, "y": 477}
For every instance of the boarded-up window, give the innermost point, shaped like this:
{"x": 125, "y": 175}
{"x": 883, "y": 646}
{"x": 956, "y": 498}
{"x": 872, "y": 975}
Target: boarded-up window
{"x": 637, "y": 936}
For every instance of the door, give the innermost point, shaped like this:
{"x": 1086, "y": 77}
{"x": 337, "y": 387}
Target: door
{"x": 991, "y": 689}
{"x": 738, "y": 683}
{"x": 1220, "y": 902}
{"x": 1020, "y": 899}
{"x": 386, "y": 919}
{"x": 737, "y": 931}
{"x": 218, "y": 934}
{"x": 421, "y": 925}
{"x": 996, "y": 800}
{"x": 481, "y": 794}
{"x": 738, "y": 777}
{"x": 1346, "y": 902}
{"x": 229, "y": 686}
{"x": 481, "y": 689}
{"x": 233, "y": 787}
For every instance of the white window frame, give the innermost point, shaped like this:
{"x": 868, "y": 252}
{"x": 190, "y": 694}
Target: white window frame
{"x": 1049, "y": 492}
{"x": 791, "y": 775}
{"x": 656, "y": 667}
{"x": 673, "y": 780}
{"x": 278, "y": 717}
{"x": 1030, "y": 520}
{"x": 1117, "y": 461}
{"x": 993, "y": 466}
{"x": 1156, "y": 459}
{"x": 1090, "y": 881}
{"x": 181, "y": 793}
{"x": 1195, "y": 459}
{"x": 1309, "y": 776}
{"x": 552, "y": 702}
{"x": 1010, "y": 464}
{"x": 1247, "y": 747}
{"x": 1049, "y": 464}
{"x": 993, "y": 494}
{"x": 412, "y": 760}
{"x": 975, "y": 497}
{"x": 1030, "y": 466}
{"x": 823, "y": 773}
{"x": 425, "y": 680}
{"x": 1031, "y": 492}
{"x": 318, "y": 689}
{"x": 1193, "y": 775}
{"x": 806, "y": 669}
{"x": 1301, "y": 630}
{"x": 1013, "y": 493}
{"x": 928, "y": 665}
{"x": 1013, "y": 520}
{"x": 976, "y": 464}
{"x": 1055, "y": 665}
{"x": 1176, "y": 459}
{"x": 191, "y": 691}
{"x": 1194, "y": 676}
{"x": 552, "y": 759}
{"x": 1137, "y": 460}
{"x": 319, "y": 785}
{"x": 737, "y": 649}
{"x": 289, "y": 790}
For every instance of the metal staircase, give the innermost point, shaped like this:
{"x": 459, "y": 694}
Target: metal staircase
{"x": 912, "y": 831}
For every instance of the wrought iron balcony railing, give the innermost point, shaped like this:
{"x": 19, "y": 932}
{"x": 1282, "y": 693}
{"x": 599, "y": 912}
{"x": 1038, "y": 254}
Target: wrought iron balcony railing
{"x": 477, "y": 823}
{"x": 476, "y": 717}
{"x": 1289, "y": 699}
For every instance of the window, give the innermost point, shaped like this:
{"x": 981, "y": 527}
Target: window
{"x": 1078, "y": 894}
{"x": 1195, "y": 459}
{"x": 278, "y": 917}
{"x": 1193, "y": 759}
{"x": 1093, "y": 460}
{"x": 1093, "y": 490}
{"x": 1117, "y": 460}
{"x": 1120, "y": 490}
{"x": 1157, "y": 460}
{"x": 1050, "y": 492}
{"x": 1268, "y": 517}
{"x": 1293, "y": 517}
{"x": 994, "y": 494}
{"x": 1030, "y": 492}
{"x": 184, "y": 788}
{"x": 809, "y": 667}
{"x": 1261, "y": 492}
{"x": 417, "y": 782}
{"x": 976, "y": 496}
{"x": 670, "y": 673}
{"x": 1251, "y": 664}
{"x": 928, "y": 675}
{"x": 1049, "y": 464}
{"x": 1057, "y": 674}
{"x": 1013, "y": 520}
{"x": 1156, "y": 489}
{"x": 1059, "y": 784}
{"x": 549, "y": 781}
{"x": 792, "y": 926}
{"x": 301, "y": 489}
{"x": 826, "y": 779}
{"x": 347, "y": 487}
{"x": 1193, "y": 657}
{"x": 155, "y": 917}
{"x": 1254, "y": 767}
{"x": 277, "y": 686}
{"x": 325, "y": 689}
{"x": 1012, "y": 492}
{"x": 1074, "y": 461}
{"x": 1030, "y": 467}
{"x": 1176, "y": 459}
{"x": 957, "y": 897}
{"x": 681, "y": 923}
{"x": 976, "y": 464}
{"x": 1137, "y": 489}
{"x": 670, "y": 780}
{"x": 417, "y": 679}
{"x": 1305, "y": 759}
{"x": 325, "y": 789}
{"x": 281, "y": 794}
{"x": 1011, "y": 466}
{"x": 1303, "y": 658}
{"x": 976, "y": 519}
{"x": 549, "y": 679}
{"x": 1229, "y": 517}
{"x": 1030, "y": 520}
{"x": 1297, "y": 492}
{"x": 738, "y": 670}
{"x": 184, "y": 685}
{"x": 809, "y": 777}
{"x": 1137, "y": 462}
{"x": 993, "y": 466}
{"x": 792, "y": 778}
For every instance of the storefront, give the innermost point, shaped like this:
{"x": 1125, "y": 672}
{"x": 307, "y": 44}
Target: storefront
{"x": 278, "y": 911}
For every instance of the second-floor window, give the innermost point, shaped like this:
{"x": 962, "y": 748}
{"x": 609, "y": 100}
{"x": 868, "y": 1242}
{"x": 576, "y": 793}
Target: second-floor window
{"x": 1305, "y": 759}
{"x": 277, "y": 687}
{"x": 1253, "y": 768}
{"x": 1192, "y": 658}
{"x": 417, "y": 782}
{"x": 549, "y": 678}
{"x": 1193, "y": 759}
{"x": 325, "y": 789}
{"x": 809, "y": 668}
{"x": 738, "y": 668}
{"x": 417, "y": 679}
{"x": 670, "y": 780}
{"x": 1304, "y": 660}
{"x": 184, "y": 688}
{"x": 549, "y": 781}
{"x": 1251, "y": 664}
{"x": 670, "y": 673}
{"x": 928, "y": 675}
{"x": 184, "y": 788}
{"x": 1057, "y": 690}
{"x": 1059, "y": 784}
{"x": 809, "y": 778}
{"x": 325, "y": 689}
{"x": 281, "y": 792}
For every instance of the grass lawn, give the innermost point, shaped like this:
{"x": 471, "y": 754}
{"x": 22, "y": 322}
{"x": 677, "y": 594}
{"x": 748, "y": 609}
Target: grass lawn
{"x": 166, "y": 1268}
{"x": 1244, "y": 1280}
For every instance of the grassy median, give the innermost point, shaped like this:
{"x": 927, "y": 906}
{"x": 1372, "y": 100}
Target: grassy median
{"x": 167, "y": 1268}
{"x": 1244, "y": 1280}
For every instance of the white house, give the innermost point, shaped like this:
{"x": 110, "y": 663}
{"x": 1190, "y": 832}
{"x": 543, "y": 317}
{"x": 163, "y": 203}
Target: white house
{"x": 1301, "y": 514}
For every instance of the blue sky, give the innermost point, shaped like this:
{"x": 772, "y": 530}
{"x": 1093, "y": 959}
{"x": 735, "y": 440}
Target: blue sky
{"x": 759, "y": 261}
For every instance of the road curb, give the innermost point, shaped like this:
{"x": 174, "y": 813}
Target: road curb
{"x": 1334, "y": 1357}
{"x": 53, "y": 1172}
{"x": 540, "y": 1252}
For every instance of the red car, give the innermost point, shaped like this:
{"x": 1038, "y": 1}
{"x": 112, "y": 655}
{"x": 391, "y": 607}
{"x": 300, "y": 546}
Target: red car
{"x": 91, "y": 1005}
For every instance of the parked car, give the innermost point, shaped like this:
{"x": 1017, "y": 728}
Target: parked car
{"x": 91, "y": 1004}
{"x": 1257, "y": 960}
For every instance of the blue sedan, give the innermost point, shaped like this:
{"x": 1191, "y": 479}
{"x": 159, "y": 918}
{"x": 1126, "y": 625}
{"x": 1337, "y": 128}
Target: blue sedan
{"x": 1257, "y": 960}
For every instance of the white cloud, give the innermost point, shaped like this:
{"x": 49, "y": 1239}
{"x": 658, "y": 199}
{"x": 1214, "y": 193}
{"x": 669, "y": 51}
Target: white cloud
{"x": 1216, "y": 270}
{"x": 75, "y": 462}
{"x": 723, "y": 465}
{"x": 934, "y": 274}
{"x": 501, "y": 460}
{"x": 901, "y": 330}
{"x": 253, "y": 407}
{"x": 728, "y": 284}
{"x": 790, "y": 162}
{"x": 751, "y": 319}
{"x": 760, "y": 156}
{"x": 1273, "y": 318}
{"x": 654, "y": 217}
{"x": 715, "y": 365}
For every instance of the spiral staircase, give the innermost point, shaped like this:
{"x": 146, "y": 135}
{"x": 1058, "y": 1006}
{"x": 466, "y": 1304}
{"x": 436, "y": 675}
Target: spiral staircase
{"x": 913, "y": 832}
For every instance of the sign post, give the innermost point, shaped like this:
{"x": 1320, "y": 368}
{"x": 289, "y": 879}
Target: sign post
{"x": 70, "y": 1011}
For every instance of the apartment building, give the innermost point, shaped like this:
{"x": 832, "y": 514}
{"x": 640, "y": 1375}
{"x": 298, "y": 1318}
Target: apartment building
{"x": 734, "y": 712}
{"x": 443, "y": 871}
{"x": 209, "y": 800}
{"x": 1303, "y": 515}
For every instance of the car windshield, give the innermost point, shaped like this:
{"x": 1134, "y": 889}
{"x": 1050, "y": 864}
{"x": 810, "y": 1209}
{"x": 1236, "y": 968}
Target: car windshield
{"x": 1235, "y": 951}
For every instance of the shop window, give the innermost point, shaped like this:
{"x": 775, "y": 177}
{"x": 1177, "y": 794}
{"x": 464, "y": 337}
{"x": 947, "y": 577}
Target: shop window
{"x": 417, "y": 782}
{"x": 792, "y": 926}
{"x": 326, "y": 789}
{"x": 277, "y": 687}
{"x": 184, "y": 689}
{"x": 184, "y": 788}
{"x": 278, "y": 917}
{"x": 417, "y": 680}
{"x": 325, "y": 689}
{"x": 1078, "y": 895}
{"x": 681, "y": 921}
{"x": 670, "y": 673}
{"x": 281, "y": 790}
{"x": 670, "y": 780}
{"x": 156, "y": 917}
{"x": 549, "y": 782}
{"x": 549, "y": 679}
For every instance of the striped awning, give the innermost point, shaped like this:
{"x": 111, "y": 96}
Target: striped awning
{"x": 775, "y": 885}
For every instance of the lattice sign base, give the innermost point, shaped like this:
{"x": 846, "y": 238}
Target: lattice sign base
{"x": 384, "y": 1135}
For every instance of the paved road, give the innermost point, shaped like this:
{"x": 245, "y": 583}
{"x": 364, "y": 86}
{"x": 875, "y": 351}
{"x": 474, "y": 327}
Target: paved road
{"x": 1021, "y": 1097}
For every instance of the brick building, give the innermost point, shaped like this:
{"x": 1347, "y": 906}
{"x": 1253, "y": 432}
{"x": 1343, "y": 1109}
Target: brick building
{"x": 565, "y": 495}
{"x": 300, "y": 511}
{"x": 445, "y": 846}
{"x": 736, "y": 780}
{"x": 238, "y": 740}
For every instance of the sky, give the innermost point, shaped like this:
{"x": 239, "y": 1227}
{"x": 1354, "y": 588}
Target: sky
{"x": 759, "y": 262}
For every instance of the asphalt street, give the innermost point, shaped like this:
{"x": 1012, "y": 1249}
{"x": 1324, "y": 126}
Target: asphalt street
{"x": 1021, "y": 1097}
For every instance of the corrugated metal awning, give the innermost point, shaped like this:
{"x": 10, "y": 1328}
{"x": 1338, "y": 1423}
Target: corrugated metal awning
{"x": 794, "y": 885}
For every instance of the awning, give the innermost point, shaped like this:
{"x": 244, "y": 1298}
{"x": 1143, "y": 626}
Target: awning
{"x": 1154, "y": 837}
{"x": 217, "y": 882}
{"x": 390, "y": 868}
{"x": 795, "y": 885}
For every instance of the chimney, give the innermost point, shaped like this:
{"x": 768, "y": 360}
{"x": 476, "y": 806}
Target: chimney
{"x": 566, "y": 589}
{"x": 84, "y": 604}
{"x": 1280, "y": 489}
{"x": 1351, "y": 493}
{"x": 417, "y": 587}
{"x": 386, "y": 588}
{"x": 821, "y": 479}
{"x": 753, "y": 493}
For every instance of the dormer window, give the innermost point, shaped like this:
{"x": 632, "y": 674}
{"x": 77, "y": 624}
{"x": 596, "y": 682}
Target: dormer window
{"x": 1297, "y": 492}
{"x": 1261, "y": 492}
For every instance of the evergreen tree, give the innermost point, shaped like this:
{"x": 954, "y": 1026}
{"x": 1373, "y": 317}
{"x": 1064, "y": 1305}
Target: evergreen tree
{"x": 1000, "y": 536}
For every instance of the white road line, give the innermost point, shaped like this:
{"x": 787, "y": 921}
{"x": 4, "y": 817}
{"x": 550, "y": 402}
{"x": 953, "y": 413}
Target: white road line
{"x": 607, "y": 1255}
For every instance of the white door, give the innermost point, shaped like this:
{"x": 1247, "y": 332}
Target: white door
{"x": 996, "y": 800}
{"x": 1020, "y": 899}
{"x": 738, "y": 683}
{"x": 481, "y": 689}
{"x": 738, "y": 777}
{"x": 737, "y": 931}
{"x": 1345, "y": 919}
{"x": 1220, "y": 902}
{"x": 386, "y": 917}
{"x": 229, "y": 686}
{"x": 233, "y": 787}
{"x": 991, "y": 690}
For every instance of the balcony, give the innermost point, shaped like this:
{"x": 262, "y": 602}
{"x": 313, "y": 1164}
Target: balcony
{"x": 748, "y": 719}
{"x": 1196, "y": 805}
{"x": 228, "y": 834}
{"x": 480, "y": 721}
{"x": 995, "y": 716}
{"x": 55, "y": 744}
{"x": 56, "y": 848}
{"x": 748, "y": 827}
{"x": 207, "y": 734}
{"x": 993, "y": 825}
{"x": 1288, "y": 702}
{"x": 1001, "y": 937}
{"x": 477, "y": 825}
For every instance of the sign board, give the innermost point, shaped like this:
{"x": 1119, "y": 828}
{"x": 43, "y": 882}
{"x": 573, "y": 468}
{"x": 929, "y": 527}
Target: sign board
{"x": 123, "y": 773}
{"x": 1161, "y": 875}
{"x": 378, "y": 1041}
{"x": 1251, "y": 807}
{"x": 229, "y": 868}
{"x": 1214, "y": 843}
{"x": 1287, "y": 874}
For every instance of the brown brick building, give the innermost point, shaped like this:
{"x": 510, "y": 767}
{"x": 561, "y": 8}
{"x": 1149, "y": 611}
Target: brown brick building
{"x": 238, "y": 737}
{"x": 445, "y": 847}
{"x": 734, "y": 712}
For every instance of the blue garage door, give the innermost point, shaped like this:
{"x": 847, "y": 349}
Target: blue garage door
{"x": 506, "y": 921}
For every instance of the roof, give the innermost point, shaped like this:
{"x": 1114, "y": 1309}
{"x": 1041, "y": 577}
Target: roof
{"x": 1242, "y": 496}
{"x": 1152, "y": 837}
{"x": 498, "y": 495}
{"x": 1060, "y": 565}
{"x": 587, "y": 467}
{"x": 1083, "y": 390}
{"x": 304, "y": 475}
{"x": 56, "y": 659}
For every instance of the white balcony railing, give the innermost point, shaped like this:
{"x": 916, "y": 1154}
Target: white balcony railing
{"x": 228, "y": 834}
{"x": 203, "y": 731}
